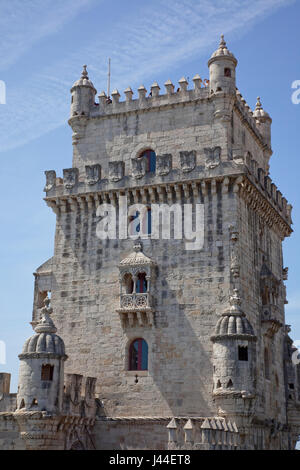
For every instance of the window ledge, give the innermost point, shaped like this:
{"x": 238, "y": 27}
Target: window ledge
{"x": 139, "y": 373}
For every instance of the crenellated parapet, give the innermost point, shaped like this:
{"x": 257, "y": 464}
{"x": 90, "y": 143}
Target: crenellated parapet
{"x": 146, "y": 100}
{"x": 197, "y": 433}
{"x": 262, "y": 194}
{"x": 251, "y": 121}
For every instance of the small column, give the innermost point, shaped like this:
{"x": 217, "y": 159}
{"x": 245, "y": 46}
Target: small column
{"x": 134, "y": 283}
{"x": 172, "y": 429}
{"x": 169, "y": 87}
{"x": 188, "y": 432}
{"x": 102, "y": 99}
{"x": 183, "y": 83}
{"x": 197, "y": 82}
{"x": 115, "y": 96}
{"x": 155, "y": 89}
{"x": 128, "y": 94}
{"x": 142, "y": 92}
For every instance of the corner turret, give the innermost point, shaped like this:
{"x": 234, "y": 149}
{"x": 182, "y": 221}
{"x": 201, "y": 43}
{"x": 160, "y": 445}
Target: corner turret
{"x": 222, "y": 66}
{"x": 83, "y": 95}
{"x": 41, "y": 376}
{"x": 234, "y": 354}
{"x": 263, "y": 121}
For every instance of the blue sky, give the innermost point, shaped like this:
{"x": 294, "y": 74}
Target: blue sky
{"x": 44, "y": 44}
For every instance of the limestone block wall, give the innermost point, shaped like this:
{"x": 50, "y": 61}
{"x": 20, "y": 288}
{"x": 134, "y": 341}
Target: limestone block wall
{"x": 186, "y": 126}
{"x": 191, "y": 288}
{"x": 258, "y": 242}
{"x": 131, "y": 434}
{"x": 10, "y": 438}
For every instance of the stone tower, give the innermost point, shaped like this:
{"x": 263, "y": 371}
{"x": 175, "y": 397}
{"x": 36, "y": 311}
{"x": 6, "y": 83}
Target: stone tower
{"x": 184, "y": 329}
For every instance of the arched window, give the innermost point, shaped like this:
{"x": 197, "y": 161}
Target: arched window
{"x": 141, "y": 283}
{"x": 138, "y": 355}
{"x": 227, "y": 72}
{"x": 128, "y": 283}
{"x": 150, "y": 157}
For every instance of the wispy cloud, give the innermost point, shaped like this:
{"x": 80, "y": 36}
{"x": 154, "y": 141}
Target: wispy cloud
{"x": 154, "y": 39}
{"x": 23, "y": 23}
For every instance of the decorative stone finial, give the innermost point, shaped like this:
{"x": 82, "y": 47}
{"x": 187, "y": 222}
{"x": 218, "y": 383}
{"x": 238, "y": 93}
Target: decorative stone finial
{"x": 84, "y": 73}
{"x": 222, "y": 51}
{"x": 258, "y": 103}
{"x": 46, "y": 325}
{"x": 235, "y": 298}
{"x": 222, "y": 44}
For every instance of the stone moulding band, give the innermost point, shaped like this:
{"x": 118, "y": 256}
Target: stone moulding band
{"x": 233, "y": 336}
{"x": 42, "y": 356}
{"x": 249, "y": 192}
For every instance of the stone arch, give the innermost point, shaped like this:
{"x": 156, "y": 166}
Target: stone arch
{"x": 128, "y": 284}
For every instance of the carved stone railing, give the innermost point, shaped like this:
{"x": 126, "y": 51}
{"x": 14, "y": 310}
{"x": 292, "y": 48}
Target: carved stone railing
{"x": 135, "y": 310}
{"x": 134, "y": 301}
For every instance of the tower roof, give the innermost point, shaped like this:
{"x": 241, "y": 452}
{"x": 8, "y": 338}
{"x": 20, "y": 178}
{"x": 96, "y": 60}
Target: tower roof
{"x": 259, "y": 112}
{"x": 233, "y": 321}
{"x": 84, "y": 80}
{"x": 137, "y": 257}
{"x": 45, "y": 340}
{"x": 222, "y": 52}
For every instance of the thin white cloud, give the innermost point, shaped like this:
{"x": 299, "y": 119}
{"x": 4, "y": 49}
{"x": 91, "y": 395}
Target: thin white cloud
{"x": 157, "y": 37}
{"x": 23, "y": 23}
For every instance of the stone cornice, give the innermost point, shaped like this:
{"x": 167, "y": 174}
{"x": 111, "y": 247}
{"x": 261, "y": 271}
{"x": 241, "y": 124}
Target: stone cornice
{"x": 258, "y": 202}
{"x": 234, "y": 336}
{"x": 169, "y": 189}
{"x": 36, "y": 355}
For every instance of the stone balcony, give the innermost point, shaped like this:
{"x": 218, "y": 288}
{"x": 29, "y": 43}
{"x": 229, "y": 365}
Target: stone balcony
{"x": 135, "y": 310}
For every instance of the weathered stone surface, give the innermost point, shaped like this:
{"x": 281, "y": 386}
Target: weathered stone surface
{"x": 214, "y": 356}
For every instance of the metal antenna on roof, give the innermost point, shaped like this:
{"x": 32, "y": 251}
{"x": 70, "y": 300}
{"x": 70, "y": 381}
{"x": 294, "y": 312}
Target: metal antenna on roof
{"x": 108, "y": 78}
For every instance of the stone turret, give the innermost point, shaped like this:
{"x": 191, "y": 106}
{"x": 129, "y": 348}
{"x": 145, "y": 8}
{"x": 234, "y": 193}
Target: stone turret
{"x": 83, "y": 95}
{"x": 263, "y": 121}
{"x": 222, "y": 66}
{"x": 41, "y": 376}
{"x": 234, "y": 359}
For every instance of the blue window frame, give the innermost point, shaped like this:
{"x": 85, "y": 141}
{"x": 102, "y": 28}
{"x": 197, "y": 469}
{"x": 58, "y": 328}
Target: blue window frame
{"x": 150, "y": 157}
{"x": 138, "y": 355}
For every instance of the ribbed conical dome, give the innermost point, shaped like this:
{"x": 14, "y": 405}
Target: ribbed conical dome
{"x": 233, "y": 321}
{"x": 84, "y": 80}
{"x": 223, "y": 51}
{"x": 45, "y": 340}
{"x": 259, "y": 112}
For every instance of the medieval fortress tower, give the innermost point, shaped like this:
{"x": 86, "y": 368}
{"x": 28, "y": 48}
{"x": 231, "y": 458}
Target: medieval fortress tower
{"x": 147, "y": 344}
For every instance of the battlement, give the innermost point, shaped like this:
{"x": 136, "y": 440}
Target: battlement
{"x": 269, "y": 189}
{"x": 247, "y": 114}
{"x": 109, "y": 106}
